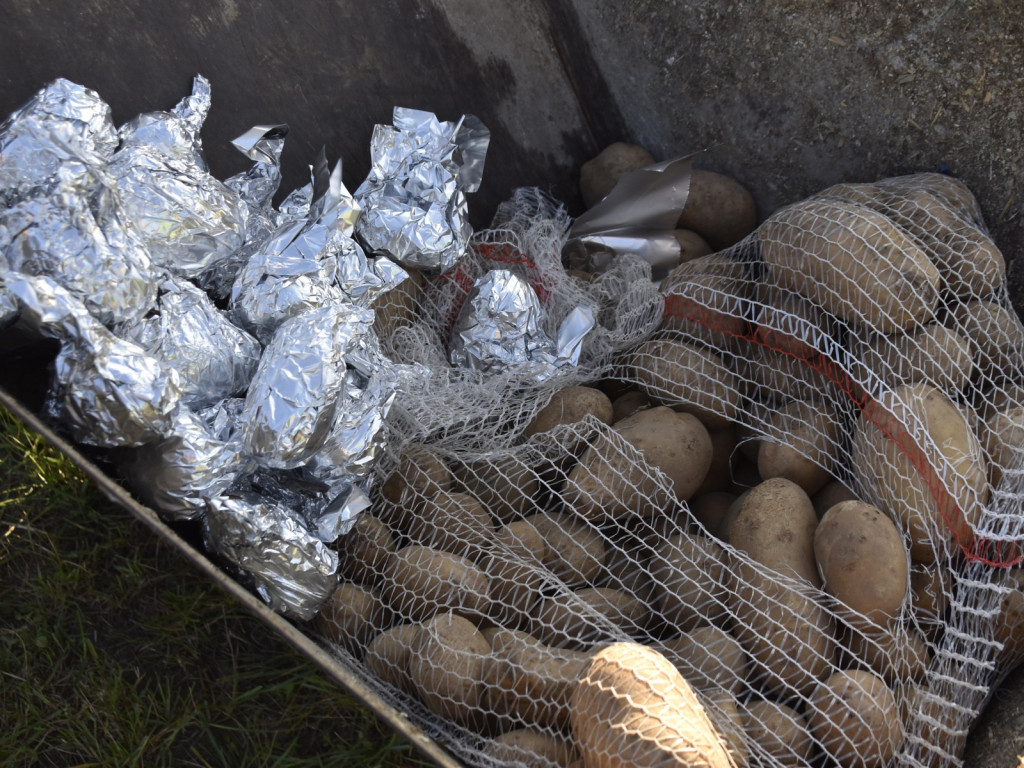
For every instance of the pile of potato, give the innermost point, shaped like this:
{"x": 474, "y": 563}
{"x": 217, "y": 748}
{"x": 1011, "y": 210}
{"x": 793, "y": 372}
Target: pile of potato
{"x": 671, "y": 566}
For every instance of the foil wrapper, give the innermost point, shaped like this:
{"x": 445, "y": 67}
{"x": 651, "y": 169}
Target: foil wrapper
{"x": 110, "y": 392}
{"x": 83, "y": 244}
{"x": 256, "y": 188}
{"x": 61, "y": 135}
{"x": 414, "y": 199}
{"x": 190, "y": 221}
{"x": 194, "y": 462}
{"x": 289, "y": 567}
{"x": 499, "y": 330}
{"x": 187, "y": 333}
{"x": 638, "y": 216}
{"x": 310, "y": 263}
{"x": 293, "y": 398}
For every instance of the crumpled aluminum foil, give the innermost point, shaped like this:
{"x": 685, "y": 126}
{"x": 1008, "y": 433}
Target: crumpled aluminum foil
{"x": 193, "y": 463}
{"x": 256, "y": 187}
{"x": 498, "y": 330}
{"x": 637, "y": 216}
{"x": 83, "y": 243}
{"x": 60, "y": 135}
{"x": 110, "y": 392}
{"x": 293, "y": 398}
{"x": 291, "y": 569}
{"x": 414, "y": 199}
{"x": 190, "y": 221}
{"x": 310, "y": 263}
{"x": 187, "y": 333}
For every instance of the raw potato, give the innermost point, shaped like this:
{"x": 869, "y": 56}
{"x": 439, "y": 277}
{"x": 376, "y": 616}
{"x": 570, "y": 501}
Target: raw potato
{"x": 455, "y": 522}
{"x": 718, "y": 208}
{"x": 398, "y": 307}
{"x": 529, "y": 682}
{"x": 709, "y": 658}
{"x": 774, "y": 525}
{"x": 516, "y": 572}
{"x": 574, "y": 551}
{"x": 687, "y": 378}
{"x": 929, "y": 583}
{"x": 886, "y": 458}
{"x": 724, "y": 711}
{"x": 704, "y": 299}
{"x": 1003, "y": 437}
{"x": 599, "y": 175}
{"x": 420, "y": 475}
{"x": 788, "y": 636}
{"x": 853, "y": 262}
{"x": 351, "y": 616}
{"x": 629, "y": 403}
{"x": 863, "y": 562}
{"x": 788, "y": 322}
{"x": 531, "y": 748}
{"x": 690, "y": 581}
{"x": 774, "y": 377}
{"x": 420, "y": 582}
{"x": 994, "y": 333}
{"x": 896, "y": 654}
{"x": 504, "y": 483}
{"x": 932, "y": 354}
{"x": 446, "y": 664}
{"x": 570, "y": 406}
{"x": 387, "y": 656}
{"x": 723, "y": 453}
{"x": 691, "y": 245}
{"x": 608, "y": 483}
{"x": 711, "y": 509}
{"x": 803, "y": 444}
{"x": 633, "y": 708}
{"x": 780, "y": 731}
{"x": 855, "y": 717}
{"x": 363, "y": 552}
{"x": 831, "y": 494}
{"x": 591, "y": 615}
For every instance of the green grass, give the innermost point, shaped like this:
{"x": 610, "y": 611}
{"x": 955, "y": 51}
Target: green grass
{"x": 115, "y": 651}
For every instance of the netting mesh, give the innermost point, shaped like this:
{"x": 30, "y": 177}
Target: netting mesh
{"x": 784, "y": 486}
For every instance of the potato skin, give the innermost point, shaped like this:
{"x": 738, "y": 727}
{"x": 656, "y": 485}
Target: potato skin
{"x": 608, "y": 484}
{"x": 710, "y": 658}
{"x": 420, "y": 582}
{"x": 675, "y": 373}
{"x": 633, "y": 708}
{"x": 803, "y": 444}
{"x": 565, "y": 622}
{"x": 863, "y": 562}
{"x": 702, "y": 299}
{"x": 601, "y": 173}
{"x": 690, "y": 581}
{"x": 855, "y": 717}
{"x": 419, "y": 475}
{"x": 531, "y": 748}
{"x": 454, "y": 522}
{"x": 504, "y": 484}
{"x": 569, "y": 406}
{"x": 718, "y": 208}
{"x": 351, "y": 616}
{"x": 364, "y": 551}
{"x": 853, "y": 262}
{"x": 780, "y": 731}
{"x": 886, "y": 458}
{"x": 387, "y": 656}
{"x": 446, "y": 665}
{"x": 932, "y": 354}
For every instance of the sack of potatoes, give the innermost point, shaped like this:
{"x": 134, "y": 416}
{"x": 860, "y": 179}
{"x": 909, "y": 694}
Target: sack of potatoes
{"x": 781, "y": 529}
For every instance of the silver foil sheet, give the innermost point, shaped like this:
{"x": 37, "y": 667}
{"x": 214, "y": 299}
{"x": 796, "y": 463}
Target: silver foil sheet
{"x": 289, "y": 567}
{"x": 192, "y": 464}
{"x": 62, "y": 134}
{"x": 78, "y": 237}
{"x": 293, "y": 398}
{"x": 500, "y": 330}
{"x": 310, "y": 263}
{"x": 186, "y": 332}
{"x": 638, "y": 216}
{"x": 110, "y": 392}
{"x": 414, "y": 199}
{"x": 190, "y": 221}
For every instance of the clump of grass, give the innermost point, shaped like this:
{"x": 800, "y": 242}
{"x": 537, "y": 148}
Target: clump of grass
{"x": 114, "y": 651}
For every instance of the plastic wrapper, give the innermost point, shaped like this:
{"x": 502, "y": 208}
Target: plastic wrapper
{"x": 637, "y": 216}
{"x": 256, "y": 187}
{"x": 186, "y": 332}
{"x": 291, "y": 569}
{"x": 195, "y": 462}
{"x": 62, "y": 134}
{"x": 109, "y": 391}
{"x": 310, "y": 263}
{"x": 190, "y": 221}
{"x": 414, "y": 199}
{"x": 499, "y": 329}
{"x": 292, "y": 400}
